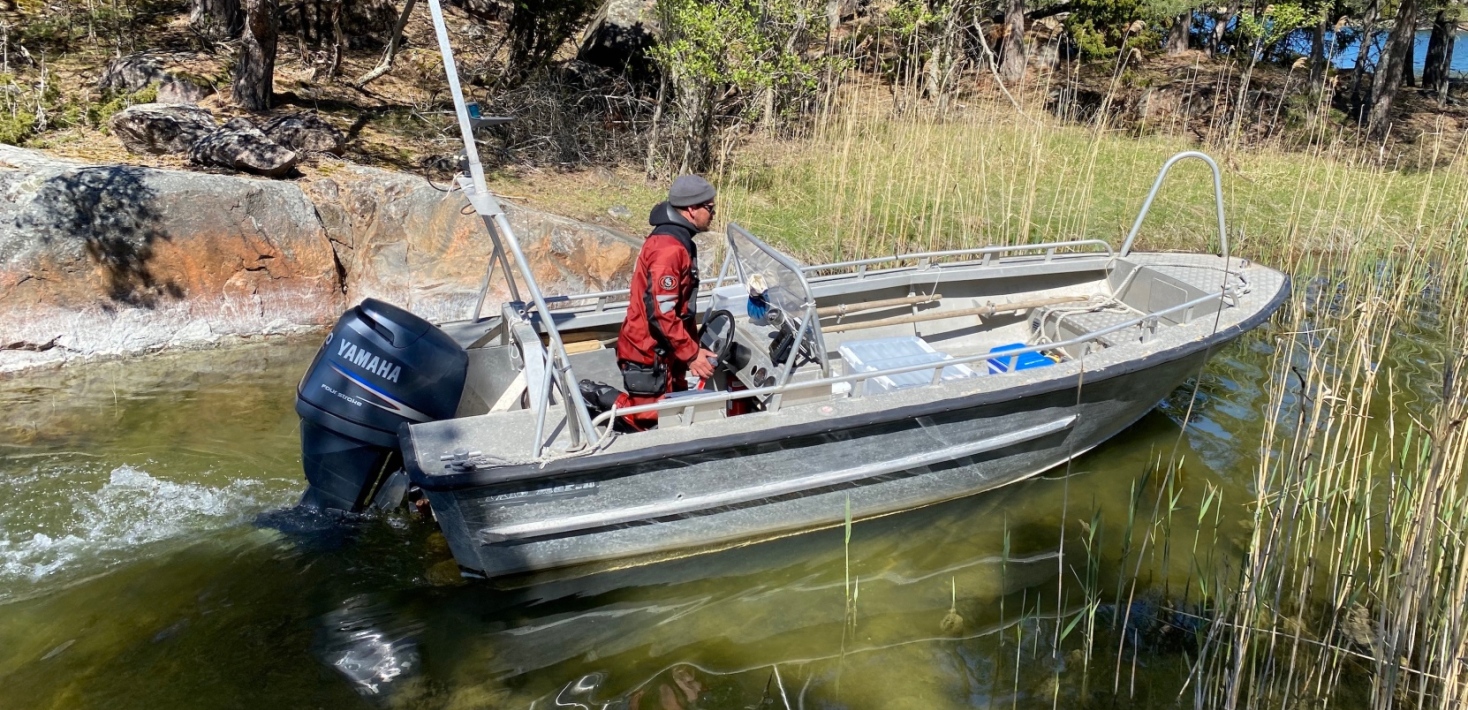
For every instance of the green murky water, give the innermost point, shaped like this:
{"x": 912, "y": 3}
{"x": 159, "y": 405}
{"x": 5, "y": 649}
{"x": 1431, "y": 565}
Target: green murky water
{"x": 148, "y": 559}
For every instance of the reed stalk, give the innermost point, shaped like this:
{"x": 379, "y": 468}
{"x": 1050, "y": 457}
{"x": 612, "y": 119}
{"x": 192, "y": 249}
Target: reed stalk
{"x": 1348, "y": 584}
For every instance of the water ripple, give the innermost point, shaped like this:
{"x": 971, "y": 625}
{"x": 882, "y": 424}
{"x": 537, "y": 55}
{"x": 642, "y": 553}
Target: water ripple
{"x": 71, "y": 522}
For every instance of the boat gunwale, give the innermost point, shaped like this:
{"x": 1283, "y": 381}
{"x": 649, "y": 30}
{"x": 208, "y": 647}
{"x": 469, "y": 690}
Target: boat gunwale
{"x": 532, "y": 470}
{"x": 857, "y": 379}
{"x": 859, "y": 271}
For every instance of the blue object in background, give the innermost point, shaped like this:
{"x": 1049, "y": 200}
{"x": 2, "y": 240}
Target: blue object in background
{"x": 757, "y": 307}
{"x": 1026, "y": 361}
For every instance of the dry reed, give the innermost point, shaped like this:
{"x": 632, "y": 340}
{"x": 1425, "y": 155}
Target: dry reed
{"x": 1353, "y": 584}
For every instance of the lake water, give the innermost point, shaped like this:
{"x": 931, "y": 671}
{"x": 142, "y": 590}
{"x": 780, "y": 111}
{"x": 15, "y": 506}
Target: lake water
{"x": 1346, "y": 57}
{"x": 149, "y": 559}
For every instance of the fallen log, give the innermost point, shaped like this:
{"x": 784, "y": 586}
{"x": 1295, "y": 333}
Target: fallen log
{"x": 845, "y": 308}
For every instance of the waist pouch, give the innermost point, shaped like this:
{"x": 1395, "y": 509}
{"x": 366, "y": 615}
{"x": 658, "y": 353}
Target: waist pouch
{"x": 645, "y": 380}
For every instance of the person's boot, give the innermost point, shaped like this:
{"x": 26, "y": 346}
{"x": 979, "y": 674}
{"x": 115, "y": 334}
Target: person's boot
{"x": 598, "y": 397}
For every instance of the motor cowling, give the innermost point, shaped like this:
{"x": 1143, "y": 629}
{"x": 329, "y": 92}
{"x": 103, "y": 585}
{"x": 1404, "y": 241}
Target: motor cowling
{"x": 380, "y": 367}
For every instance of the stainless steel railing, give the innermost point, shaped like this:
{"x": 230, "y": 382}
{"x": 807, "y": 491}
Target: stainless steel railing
{"x": 925, "y": 259}
{"x": 1126, "y": 246}
{"x": 1148, "y": 322}
{"x": 928, "y": 259}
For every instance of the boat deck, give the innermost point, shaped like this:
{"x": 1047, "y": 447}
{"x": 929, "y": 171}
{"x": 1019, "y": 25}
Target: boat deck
{"x": 497, "y": 441}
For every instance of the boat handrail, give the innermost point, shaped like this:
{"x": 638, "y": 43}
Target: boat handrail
{"x": 1126, "y": 246}
{"x": 925, "y": 259}
{"x": 858, "y": 380}
{"x": 557, "y": 361}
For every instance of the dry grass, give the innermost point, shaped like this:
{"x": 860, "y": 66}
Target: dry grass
{"x": 1353, "y": 586}
{"x": 864, "y": 183}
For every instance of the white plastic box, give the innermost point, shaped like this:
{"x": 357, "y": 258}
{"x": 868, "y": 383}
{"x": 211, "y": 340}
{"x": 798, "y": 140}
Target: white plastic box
{"x": 885, "y": 353}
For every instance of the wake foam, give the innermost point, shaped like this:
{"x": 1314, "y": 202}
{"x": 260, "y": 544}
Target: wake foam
{"x": 130, "y": 510}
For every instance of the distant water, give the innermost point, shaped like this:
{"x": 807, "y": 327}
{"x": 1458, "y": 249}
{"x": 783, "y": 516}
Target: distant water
{"x": 1346, "y": 58}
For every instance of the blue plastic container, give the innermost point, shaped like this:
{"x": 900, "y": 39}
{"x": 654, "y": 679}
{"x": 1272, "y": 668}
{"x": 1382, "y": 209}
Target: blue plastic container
{"x": 1026, "y": 361}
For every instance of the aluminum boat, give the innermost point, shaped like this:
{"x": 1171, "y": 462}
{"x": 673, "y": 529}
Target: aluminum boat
{"x": 855, "y": 389}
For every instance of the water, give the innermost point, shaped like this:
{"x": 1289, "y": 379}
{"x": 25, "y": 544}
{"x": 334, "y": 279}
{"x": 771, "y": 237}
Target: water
{"x": 148, "y": 559}
{"x": 1347, "y": 56}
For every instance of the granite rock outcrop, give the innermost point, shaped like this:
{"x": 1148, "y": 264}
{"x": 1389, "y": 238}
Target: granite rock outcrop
{"x": 114, "y": 260}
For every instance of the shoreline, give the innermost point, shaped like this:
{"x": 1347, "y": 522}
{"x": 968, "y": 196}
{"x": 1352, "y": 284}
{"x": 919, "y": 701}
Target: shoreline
{"x": 119, "y": 260}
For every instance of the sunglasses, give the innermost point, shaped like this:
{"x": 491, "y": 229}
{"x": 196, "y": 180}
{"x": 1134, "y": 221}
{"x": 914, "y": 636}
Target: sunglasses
{"x": 706, "y": 206}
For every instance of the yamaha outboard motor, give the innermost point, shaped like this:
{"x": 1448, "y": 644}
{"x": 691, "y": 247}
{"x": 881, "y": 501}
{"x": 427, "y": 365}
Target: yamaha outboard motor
{"x": 379, "y": 368}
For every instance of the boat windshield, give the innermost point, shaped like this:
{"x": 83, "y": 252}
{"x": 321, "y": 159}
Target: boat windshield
{"x": 776, "y": 274}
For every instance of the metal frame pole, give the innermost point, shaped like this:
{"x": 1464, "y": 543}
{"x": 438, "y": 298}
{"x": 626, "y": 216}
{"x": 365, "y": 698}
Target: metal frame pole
{"x": 1126, "y": 246}
{"x": 489, "y": 209}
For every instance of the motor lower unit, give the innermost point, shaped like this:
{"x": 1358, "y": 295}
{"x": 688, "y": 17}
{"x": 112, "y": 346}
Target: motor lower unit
{"x": 381, "y": 367}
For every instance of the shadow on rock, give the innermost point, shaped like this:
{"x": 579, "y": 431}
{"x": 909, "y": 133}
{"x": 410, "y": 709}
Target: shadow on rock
{"x": 111, "y": 210}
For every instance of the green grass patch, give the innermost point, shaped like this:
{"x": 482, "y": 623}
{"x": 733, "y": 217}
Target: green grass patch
{"x": 879, "y": 186}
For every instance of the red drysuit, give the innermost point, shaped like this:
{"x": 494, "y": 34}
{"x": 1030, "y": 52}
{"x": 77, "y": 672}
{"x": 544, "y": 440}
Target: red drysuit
{"x": 660, "y": 323}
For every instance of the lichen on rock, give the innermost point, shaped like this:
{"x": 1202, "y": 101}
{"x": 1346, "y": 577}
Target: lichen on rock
{"x": 160, "y": 128}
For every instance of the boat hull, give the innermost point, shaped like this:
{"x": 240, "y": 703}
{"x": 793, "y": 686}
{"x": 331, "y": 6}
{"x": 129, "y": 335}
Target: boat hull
{"x": 733, "y": 492}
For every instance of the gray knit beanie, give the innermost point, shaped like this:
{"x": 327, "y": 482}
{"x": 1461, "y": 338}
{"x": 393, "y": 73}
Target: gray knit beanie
{"x": 689, "y": 190}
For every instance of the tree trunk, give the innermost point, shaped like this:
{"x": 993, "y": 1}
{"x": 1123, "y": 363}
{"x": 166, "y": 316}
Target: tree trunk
{"x": 393, "y": 44}
{"x": 1439, "y": 55}
{"x": 1368, "y": 36}
{"x": 303, "y": 29}
{"x": 216, "y": 19}
{"x": 254, "y": 72}
{"x": 1409, "y": 73}
{"x": 1220, "y": 26}
{"x": 1317, "y": 56}
{"x": 652, "y": 134}
{"x": 1389, "y": 73}
{"x": 338, "y": 37}
{"x": 1177, "y": 37}
{"x": 1012, "y": 51}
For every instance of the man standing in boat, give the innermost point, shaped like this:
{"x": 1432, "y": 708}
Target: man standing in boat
{"x": 658, "y": 344}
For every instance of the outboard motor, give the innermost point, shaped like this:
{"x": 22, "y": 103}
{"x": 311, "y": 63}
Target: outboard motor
{"x": 379, "y": 368}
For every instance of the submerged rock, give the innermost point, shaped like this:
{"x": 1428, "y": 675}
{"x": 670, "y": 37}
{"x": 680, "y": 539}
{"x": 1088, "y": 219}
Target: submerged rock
{"x": 952, "y": 623}
{"x": 160, "y": 127}
{"x": 1158, "y": 625}
{"x": 1357, "y": 627}
{"x": 444, "y": 574}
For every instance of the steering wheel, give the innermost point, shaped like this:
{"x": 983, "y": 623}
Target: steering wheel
{"x": 717, "y": 333}
{"x": 782, "y": 343}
